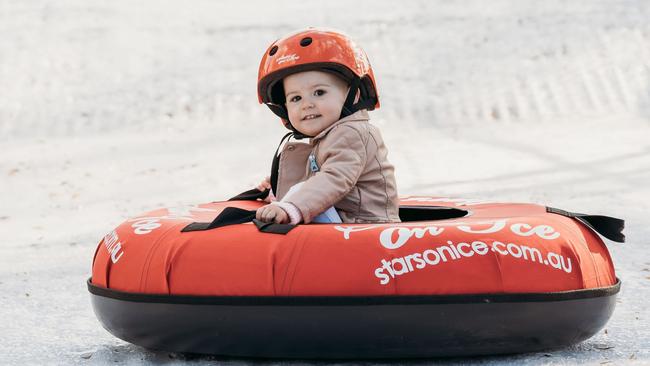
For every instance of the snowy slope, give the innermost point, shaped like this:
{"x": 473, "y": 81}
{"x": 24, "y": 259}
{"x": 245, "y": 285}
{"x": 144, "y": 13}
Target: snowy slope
{"x": 111, "y": 109}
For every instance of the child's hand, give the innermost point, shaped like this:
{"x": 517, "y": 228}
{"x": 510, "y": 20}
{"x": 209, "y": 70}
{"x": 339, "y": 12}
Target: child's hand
{"x": 272, "y": 213}
{"x": 265, "y": 184}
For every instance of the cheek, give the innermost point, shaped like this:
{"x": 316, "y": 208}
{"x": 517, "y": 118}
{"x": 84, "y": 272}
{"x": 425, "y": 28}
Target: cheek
{"x": 333, "y": 107}
{"x": 292, "y": 111}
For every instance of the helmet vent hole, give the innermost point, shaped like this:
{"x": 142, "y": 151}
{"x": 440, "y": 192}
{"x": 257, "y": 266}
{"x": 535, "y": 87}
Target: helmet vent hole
{"x": 305, "y": 41}
{"x": 273, "y": 50}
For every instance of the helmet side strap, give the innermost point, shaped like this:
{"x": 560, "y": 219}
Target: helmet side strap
{"x": 365, "y": 102}
{"x": 348, "y": 106}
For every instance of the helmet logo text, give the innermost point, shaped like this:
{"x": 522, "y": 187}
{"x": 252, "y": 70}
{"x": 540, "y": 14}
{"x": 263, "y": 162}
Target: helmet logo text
{"x": 287, "y": 58}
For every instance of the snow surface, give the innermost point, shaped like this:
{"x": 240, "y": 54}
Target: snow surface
{"x": 110, "y": 109}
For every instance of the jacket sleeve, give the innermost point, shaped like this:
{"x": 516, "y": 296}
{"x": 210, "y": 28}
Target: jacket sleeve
{"x": 344, "y": 158}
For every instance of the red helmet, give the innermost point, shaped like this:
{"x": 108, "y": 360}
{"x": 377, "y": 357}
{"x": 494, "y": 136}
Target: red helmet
{"x": 316, "y": 49}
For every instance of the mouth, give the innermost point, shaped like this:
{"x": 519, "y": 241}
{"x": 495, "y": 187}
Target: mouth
{"x": 310, "y": 116}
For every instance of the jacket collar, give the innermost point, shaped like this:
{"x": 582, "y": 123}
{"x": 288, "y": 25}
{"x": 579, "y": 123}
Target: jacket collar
{"x": 361, "y": 115}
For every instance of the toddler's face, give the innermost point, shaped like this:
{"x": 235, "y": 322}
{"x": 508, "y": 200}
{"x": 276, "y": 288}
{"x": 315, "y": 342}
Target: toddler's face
{"x": 314, "y": 100}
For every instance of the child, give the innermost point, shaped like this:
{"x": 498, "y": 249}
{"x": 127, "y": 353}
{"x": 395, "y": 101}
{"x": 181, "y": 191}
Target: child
{"x": 321, "y": 85}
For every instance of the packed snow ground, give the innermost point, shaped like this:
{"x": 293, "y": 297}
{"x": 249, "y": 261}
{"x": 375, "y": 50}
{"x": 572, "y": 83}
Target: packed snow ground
{"x": 111, "y": 109}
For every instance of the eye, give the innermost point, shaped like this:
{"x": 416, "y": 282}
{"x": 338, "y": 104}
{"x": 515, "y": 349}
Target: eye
{"x": 319, "y": 92}
{"x": 294, "y": 99}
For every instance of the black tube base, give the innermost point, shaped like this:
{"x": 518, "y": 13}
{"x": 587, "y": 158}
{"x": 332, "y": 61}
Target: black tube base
{"x": 360, "y": 328}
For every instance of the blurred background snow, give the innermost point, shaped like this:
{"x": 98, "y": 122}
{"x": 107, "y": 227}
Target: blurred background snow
{"x": 108, "y": 109}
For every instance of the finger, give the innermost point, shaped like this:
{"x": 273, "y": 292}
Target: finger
{"x": 270, "y": 216}
{"x": 282, "y": 218}
{"x": 258, "y": 213}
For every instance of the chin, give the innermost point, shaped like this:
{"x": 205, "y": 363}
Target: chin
{"x": 310, "y": 133}
{"x": 314, "y": 129}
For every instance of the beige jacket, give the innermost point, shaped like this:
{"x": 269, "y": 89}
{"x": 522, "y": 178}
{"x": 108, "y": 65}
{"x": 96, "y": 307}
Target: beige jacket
{"x": 352, "y": 174}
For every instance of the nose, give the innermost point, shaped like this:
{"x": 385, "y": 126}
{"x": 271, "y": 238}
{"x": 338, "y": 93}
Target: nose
{"x": 307, "y": 103}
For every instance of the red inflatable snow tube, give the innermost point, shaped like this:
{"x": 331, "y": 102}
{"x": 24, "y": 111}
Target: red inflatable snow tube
{"x": 456, "y": 277}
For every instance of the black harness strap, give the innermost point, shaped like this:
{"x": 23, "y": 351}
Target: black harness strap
{"x": 229, "y": 216}
{"x": 275, "y": 166}
{"x": 233, "y": 216}
{"x": 609, "y": 227}
{"x": 273, "y": 228}
{"x": 252, "y": 195}
{"x": 255, "y": 194}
